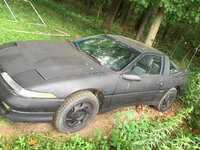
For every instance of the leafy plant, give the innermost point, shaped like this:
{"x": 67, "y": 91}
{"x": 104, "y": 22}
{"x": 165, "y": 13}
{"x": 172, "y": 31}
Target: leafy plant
{"x": 79, "y": 143}
{"x": 2, "y": 144}
{"x": 192, "y": 97}
{"x": 128, "y": 132}
{"x": 182, "y": 140}
{"x": 143, "y": 133}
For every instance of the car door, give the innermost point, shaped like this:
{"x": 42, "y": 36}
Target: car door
{"x": 141, "y": 82}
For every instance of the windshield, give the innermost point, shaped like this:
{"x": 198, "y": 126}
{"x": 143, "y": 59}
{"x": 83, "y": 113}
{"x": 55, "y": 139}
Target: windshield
{"x": 107, "y": 51}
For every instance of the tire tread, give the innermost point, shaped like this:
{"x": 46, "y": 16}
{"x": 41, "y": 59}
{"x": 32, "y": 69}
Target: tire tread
{"x": 68, "y": 100}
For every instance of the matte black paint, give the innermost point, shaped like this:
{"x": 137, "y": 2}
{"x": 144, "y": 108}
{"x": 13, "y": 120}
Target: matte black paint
{"x": 58, "y": 67}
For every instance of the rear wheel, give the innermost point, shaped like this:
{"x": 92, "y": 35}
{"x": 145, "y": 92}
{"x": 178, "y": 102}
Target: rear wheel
{"x": 76, "y": 112}
{"x": 167, "y": 100}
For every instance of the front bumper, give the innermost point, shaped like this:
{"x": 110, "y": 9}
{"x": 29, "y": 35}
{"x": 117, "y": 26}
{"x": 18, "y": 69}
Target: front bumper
{"x": 17, "y": 108}
{"x": 26, "y": 116}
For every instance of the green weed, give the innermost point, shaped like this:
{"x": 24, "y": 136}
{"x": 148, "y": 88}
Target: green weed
{"x": 192, "y": 97}
{"x": 127, "y": 133}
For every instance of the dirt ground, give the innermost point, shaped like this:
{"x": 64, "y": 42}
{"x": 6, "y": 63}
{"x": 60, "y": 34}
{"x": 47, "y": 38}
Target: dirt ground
{"x": 104, "y": 122}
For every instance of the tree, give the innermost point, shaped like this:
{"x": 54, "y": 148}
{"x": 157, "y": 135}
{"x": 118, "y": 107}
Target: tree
{"x": 88, "y": 4}
{"x": 154, "y": 27}
{"x": 143, "y": 20}
{"x": 100, "y": 8}
{"x": 180, "y": 10}
{"x": 165, "y": 31}
{"x": 128, "y": 13}
{"x": 111, "y": 14}
{"x": 61, "y": 1}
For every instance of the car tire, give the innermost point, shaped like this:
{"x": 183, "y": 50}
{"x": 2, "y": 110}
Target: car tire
{"x": 76, "y": 112}
{"x": 167, "y": 100}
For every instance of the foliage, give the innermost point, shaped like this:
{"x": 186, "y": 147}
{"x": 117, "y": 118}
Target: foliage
{"x": 144, "y": 133}
{"x": 182, "y": 140}
{"x": 43, "y": 142}
{"x": 143, "y": 2}
{"x": 192, "y": 97}
{"x": 23, "y": 24}
{"x": 2, "y": 144}
{"x": 127, "y": 133}
{"x": 67, "y": 17}
{"x": 180, "y": 8}
{"x": 191, "y": 37}
{"x": 77, "y": 142}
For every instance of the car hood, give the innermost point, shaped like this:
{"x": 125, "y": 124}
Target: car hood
{"x": 50, "y": 59}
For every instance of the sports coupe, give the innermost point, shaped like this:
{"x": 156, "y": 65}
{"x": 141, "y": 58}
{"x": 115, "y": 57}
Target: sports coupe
{"x": 68, "y": 83}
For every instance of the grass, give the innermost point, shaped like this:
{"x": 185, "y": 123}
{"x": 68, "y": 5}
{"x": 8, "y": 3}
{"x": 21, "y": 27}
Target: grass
{"x": 69, "y": 18}
{"x": 23, "y": 24}
{"x": 131, "y": 134}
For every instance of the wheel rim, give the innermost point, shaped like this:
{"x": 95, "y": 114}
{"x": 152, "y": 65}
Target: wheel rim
{"x": 78, "y": 114}
{"x": 168, "y": 100}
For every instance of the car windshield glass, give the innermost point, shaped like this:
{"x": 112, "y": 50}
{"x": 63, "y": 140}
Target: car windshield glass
{"x": 108, "y": 51}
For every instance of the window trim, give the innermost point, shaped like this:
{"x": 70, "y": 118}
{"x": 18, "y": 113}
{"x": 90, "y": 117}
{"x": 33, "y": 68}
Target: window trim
{"x": 176, "y": 67}
{"x": 126, "y": 47}
{"x": 129, "y": 66}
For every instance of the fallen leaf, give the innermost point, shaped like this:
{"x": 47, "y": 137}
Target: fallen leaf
{"x": 32, "y": 142}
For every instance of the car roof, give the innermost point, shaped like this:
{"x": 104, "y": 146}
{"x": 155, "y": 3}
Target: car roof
{"x": 141, "y": 47}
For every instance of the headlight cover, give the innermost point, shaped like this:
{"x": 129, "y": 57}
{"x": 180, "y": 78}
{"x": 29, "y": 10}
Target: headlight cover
{"x": 23, "y": 92}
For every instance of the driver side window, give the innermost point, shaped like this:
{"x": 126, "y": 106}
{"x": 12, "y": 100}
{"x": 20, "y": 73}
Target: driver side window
{"x": 148, "y": 65}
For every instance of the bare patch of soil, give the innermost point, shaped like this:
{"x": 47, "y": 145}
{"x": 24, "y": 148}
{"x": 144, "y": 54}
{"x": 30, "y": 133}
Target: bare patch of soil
{"x": 104, "y": 122}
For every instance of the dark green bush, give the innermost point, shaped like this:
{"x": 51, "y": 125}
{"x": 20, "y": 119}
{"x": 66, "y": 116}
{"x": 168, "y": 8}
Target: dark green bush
{"x": 2, "y": 144}
{"x": 181, "y": 140}
{"x": 145, "y": 133}
{"x": 192, "y": 98}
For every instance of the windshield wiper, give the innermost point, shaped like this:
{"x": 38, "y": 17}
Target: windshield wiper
{"x": 96, "y": 60}
{"x": 77, "y": 46}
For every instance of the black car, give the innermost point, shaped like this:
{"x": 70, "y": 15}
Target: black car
{"x": 70, "y": 82}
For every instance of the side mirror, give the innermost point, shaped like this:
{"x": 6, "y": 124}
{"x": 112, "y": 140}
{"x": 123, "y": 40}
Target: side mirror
{"x": 131, "y": 77}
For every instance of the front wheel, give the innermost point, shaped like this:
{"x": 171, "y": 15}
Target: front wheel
{"x": 167, "y": 100}
{"x": 76, "y": 112}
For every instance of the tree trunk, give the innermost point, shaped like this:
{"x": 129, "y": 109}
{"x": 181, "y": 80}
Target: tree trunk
{"x": 61, "y": 1}
{"x": 143, "y": 20}
{"x": 128, "y": 15}
{"x": 99, "y": 10}
{"x": 154, "y": 27}
{"x": 167, "y": 27}
{"x": 88, "y": 4}
{"x": 111, "y": 14}
{"x": 177, "y": 42}
{"x": 120, "y": 11}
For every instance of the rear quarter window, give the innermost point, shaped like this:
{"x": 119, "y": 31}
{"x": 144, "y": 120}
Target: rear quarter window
{"x": 173, "y": 68}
